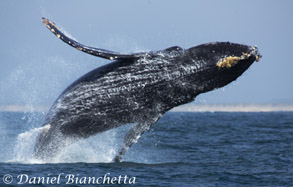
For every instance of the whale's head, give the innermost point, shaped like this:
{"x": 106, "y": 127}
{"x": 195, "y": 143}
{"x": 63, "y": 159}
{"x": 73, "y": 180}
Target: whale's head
{"x": 220, "y": 63}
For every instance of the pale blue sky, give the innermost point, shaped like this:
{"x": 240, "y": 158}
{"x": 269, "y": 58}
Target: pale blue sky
{"x": 36, "y": 66}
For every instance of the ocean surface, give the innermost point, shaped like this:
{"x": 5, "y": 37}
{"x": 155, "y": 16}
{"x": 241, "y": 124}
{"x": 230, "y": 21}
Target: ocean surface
{"x": 181, "y": 149}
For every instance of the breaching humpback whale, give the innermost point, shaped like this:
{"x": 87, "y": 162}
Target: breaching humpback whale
{"x": 137, "y": 88}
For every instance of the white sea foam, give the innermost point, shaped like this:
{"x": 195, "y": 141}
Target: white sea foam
{"x": 23, "y": 150}
{"x": 100, "y": 148}
{"x": 96, "y": 149}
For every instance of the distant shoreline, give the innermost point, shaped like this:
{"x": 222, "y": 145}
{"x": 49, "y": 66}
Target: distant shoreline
{"x": 23, "y": 108}
{"x": 183, "y": 108}
{"x": 234, "y": 108}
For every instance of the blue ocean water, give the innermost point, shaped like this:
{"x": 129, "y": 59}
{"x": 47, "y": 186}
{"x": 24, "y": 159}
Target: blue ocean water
{"x": 181, "y": 149}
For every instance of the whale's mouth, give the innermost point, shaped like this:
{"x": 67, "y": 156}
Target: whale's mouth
{"x": 230, "y": 61}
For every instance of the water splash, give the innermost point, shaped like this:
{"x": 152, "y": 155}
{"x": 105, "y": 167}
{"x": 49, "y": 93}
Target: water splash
{"x": 23, "y": 150}
{"x": 19, "y": 133}
{"x": 101, "y": 148}
{"x": 97, "y": 149}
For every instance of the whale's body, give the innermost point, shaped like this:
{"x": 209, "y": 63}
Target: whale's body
{"x": 137, "y": 88}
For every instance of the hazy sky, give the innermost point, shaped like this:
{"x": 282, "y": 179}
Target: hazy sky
{"x": 36, "y": 66}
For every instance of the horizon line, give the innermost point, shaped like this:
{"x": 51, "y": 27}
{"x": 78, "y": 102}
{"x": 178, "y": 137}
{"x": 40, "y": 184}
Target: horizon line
{"x": 234, "y": 108}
